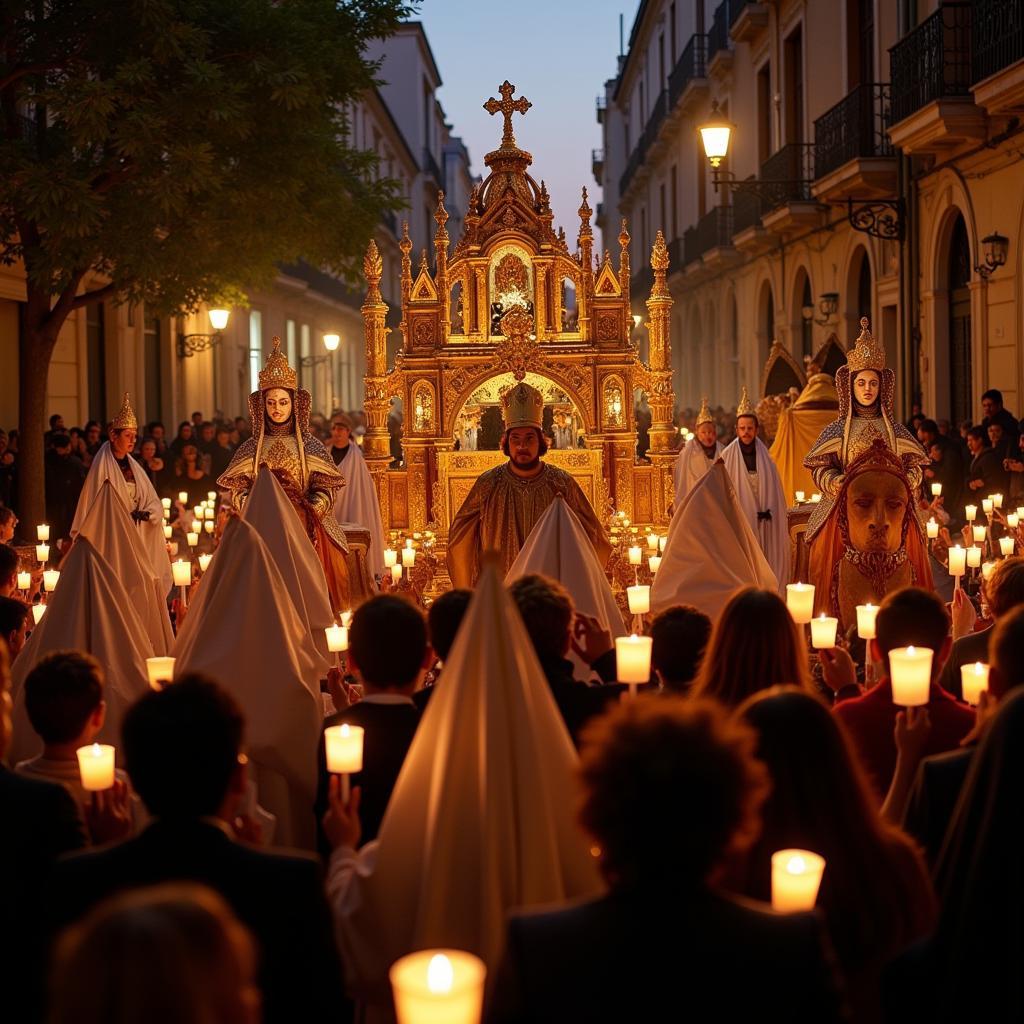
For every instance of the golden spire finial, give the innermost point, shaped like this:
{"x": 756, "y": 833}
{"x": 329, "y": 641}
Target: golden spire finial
{"x": 373, "y": 270}
{"x": 441, "y": 216}
{"x": 424, "y": 266}
{"x": 704, "y": 416}
{"x": 125, "y": 418}
{"x": 277, "y": 373}
{"x": 584, "y": 210}
{"x": 405, "y": 244}
{"x": 623, "y": 236}
{"x": 659, "y": 254}
{"x": 507, "y": 107}
{"x": 866, "y": 354}
{"x": 744, "y": 408}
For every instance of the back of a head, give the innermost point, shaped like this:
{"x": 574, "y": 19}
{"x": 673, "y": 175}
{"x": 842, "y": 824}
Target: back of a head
{"x": 546, "y": 610}
{"x": 8, "y": 564}
{"x": 444, "y": 618}
{"x": 12, "y": 614}
{"x": 912, "y": 617}
{"x": 668, "y": 787}
{"x": 388, "y": 641}
{"x": 164, "y": 955}
{"x": 61, "y": 693}
{"x": 755, "y": 644}
{"x": 1004, "y": 589}
{"x": 1006, "y": 651}
{"x": 680, "y": 635}
{"x": 194, "y": 714}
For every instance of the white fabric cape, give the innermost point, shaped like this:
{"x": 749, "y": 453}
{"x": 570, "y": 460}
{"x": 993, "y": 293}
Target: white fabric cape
{"x": 104, "y": 467}
{"x": 243, "y": 630}
{"x": 690, "y": 467}
{"x": 558, "y": 548}
{"x": 481, "y": 820}
{"x": 89, "y": 611}
{"x": 711, "y": 551}
{"x": 772, "y": 535}
{"x": 357, "y": 503}
{"x": 271, "y": 514}
{"x": 108, "y": 525}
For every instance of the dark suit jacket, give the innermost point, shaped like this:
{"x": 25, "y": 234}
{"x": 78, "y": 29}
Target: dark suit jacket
{"x": 389, "y": 732}
{"x": 658, "y": 957}
{"x": 279, "y": 896}
{"x": 987, "y": 466}
{"x": 578, "y": 702}
{"x": 933, "y": 798}
{"x": 965, "y": 651}
{"x": 40, "y": 821}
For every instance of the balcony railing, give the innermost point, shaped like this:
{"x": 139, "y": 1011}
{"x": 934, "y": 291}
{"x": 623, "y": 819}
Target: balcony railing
{"x": 650, "y": 133}
{"x": 602, "y": 106}
{"x": 676, "y": 259}
{"x": 713, "y": 230}
{"x": 747, "y": 210}
{"x": 597, "y": 162}
{"x": 997, "y": 34}
{"x": 933, "y": 61}
{"x": 855, "y": 128}
{"x": 718, "y": 37}
{"x": 642, "y": 282}
{"x": 793, "y": 168}
{"x": 431, "y": 167}
{"x": 692, "y": 64}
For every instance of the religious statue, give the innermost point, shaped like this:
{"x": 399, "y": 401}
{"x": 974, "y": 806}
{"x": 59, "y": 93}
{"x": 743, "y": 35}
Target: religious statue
{"x": 283, "y": 444}
{"x": 697, "y": 456}
{"x": 865, "y": 387}
{"x": 562, "y": 429}
{"x": 506, "y": 502}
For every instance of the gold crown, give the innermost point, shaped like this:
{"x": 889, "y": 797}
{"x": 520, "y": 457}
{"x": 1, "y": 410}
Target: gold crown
{"x": 522, "y": 406}
{"x": 125, "y": 418}
{"x": 704, "y": 416}
{"x": 866, "y": 354}
{"x": 277, "y": 373}
{"x": 744, "y": 408}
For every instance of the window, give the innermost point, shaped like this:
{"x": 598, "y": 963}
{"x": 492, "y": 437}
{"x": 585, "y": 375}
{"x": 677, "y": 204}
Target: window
{"x": 672, "y": 31}
{"x": 764, "y": 113}
{"x": 807, "y": 325}
{"x": 153, "y": 363}
{"x": 661, "y": 222}
{"x": 661, "y": 62}
{"x": 96, "y": 346}
{"x": 255, "y": 348}
{"x": 794, "y": 93}
{"x": 289, "y": 340}
{"x": 673, "y": 184}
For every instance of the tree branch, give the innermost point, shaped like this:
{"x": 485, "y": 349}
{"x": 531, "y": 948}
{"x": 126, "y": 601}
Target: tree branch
{"x": 96, "y": 295}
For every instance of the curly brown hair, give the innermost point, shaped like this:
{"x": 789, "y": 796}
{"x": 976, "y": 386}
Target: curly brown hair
{"x": 546, "y": 610}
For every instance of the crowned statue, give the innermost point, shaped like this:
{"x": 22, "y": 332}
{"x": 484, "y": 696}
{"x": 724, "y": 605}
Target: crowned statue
{"x": 506, "y": 502}
{"x": 282, "y": 443}
{"x": 865, "y": 535}
{"x": 697, "y": 456}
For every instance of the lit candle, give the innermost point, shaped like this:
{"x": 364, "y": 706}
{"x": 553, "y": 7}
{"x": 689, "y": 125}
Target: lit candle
{"x": 183, "y": 496}
{"x": 197, "y": 511}
{"x": 654, "y": 563}
{"x": 211, "y": 496}
{"x": 346, "y": 619}
{"x": 636, "y": 555}
{"x": 987, "y": 568}
{"x": 396, "y": 574}
{"x": 204, "y": 561}
{"x": 344, "y": 747}
{"x": 800, "y": 601}
{"x": 167, "y": 513}
{"x": 160, "y": 672}
{"x": 408, "y": 542}
{"x": 408, "y": 557}
{"x": 910, "y": 670}
{"x": 24, "y": 580}
{"x": 209, "y": 513}
{"x": 1006, "y": 546}
{"x": 166, "y": 502}
{"x": 625, "y": 521}
{"x": 38, "y": 611}
{"x": 1012, "y": 520}
{"x": 866, "y": 615}
{"x": 932, "y": 528}
{"x": 168, "y": 532}
{"x": 96, "y": 766}
{"x": 986, "y": 506}
{"x": 800, "y": 497}
{"x": 438, "y": 986}
{"x": 997, "y": 501}
{"x": 970, "y": 513}
{"x": 978, "y": 533}
{"x": 796, "y": 877}
{"x": 652, "y": 542}
{"x": 42, "y": 552}
{"x": 639, "y": 598}
{"x": 209, "y": 526}
{"x": 192, "y": 538}
{"x": 936, "y": 490}
{"x": 633, "y": 659}
{"x": 390, "y": 557}
{"x": 973, "y": 557}
{"x": 957, "y": 561}
{"x": 823, "y": 632}
{"x": 662, "y": 541}
{"x": 337, "y": 638}
{"x": 50, "y": 578}
{"x": 974, "y": 679}
{"x": 181, "y": 570}
{"x": 815, "y": 498}
{"x": 1020, "y": 512}
{"x": 43, "y": 532}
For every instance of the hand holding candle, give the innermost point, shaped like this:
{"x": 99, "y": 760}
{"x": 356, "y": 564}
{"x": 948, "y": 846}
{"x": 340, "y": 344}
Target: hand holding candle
{"x": 160, "y": 672}
{"x": 910, "y": 671}
{"x": 974, "y": 679}
{"x": 796, "y": 878}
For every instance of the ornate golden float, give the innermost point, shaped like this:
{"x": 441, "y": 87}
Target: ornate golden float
{"x": 496, "y": 311}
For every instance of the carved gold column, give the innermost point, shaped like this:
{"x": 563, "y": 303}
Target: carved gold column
{"x": 441, "y": 263}
{"x": 624, "y": 271}
{"x": 406, "y": 246}
{"x": 540, "y": 302}
{"x": 377, "y": 442}
{"x": 483, "y": 313}
{"x": 586, "y": 244}
{"x": 662, "y": 396}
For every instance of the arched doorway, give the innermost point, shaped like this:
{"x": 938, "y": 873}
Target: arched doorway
{"x": 959, "y": 312}
{"x": 803, "y": 326}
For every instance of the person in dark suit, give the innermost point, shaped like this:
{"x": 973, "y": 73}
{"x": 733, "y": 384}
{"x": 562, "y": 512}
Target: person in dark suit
{"x": 39, "y": 822}
{"x": 183, "y": 752}
{"x": 388, "y": 653}
{"x": 985, "y": 475}
{"x": 664, "y": 943}
{"x": 443, "y": 620}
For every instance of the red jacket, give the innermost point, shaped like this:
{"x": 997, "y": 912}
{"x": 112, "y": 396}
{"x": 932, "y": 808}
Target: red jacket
{"x": 871, "y": 718}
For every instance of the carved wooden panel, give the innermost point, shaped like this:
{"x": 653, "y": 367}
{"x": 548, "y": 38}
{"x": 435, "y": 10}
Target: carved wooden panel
{"x": 398, "y": 499}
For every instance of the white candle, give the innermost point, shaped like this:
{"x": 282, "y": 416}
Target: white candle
{"x": 96, "y": 766}
{"x": 866, "y": 615}
{"x": 209, "y": 513}
{"x": 346, "y": 619}
{"x": 633, "y": 658}
{"x": 636, "y": 555}
{"x": 160, "y": 672}
{"x": 1006, "y": 545}
{"x": 50, "y": 578}
{"x": 815, "y": 498}
{"x": 168, "y": 532}
{"x": 800, "y": 601}
{"x": 1012, "y": 520}
{"x": 654, "y": 563}
{"x": 209, "y": 526}
{"x": 800, "y": 497}
{"x": 652, "y": 542}
{"x": 997, "y": 501}
{"x": 974, "y": 679}
{"x": 42, "y": 552}
{"x": 197, "y": 511}
{"x": 978, "y": 533}
{"x": 211, "y": 496}
{"x": 823, "y": 632}
{"x": 662, "y": 541}
{"x": 344, "y": 746}
{"x": 396, "y": 574}
{"x": 390, "y": 557}
{"x": 973, "y": 557}
{"x": 796, "y": 877}
{"x": 337, "y": 638}
{"x": 183, "y": 496}
{"x": 192, "y": 538}
{"x": 182, "y": 572}
{"x": 932, "y": 528}
{"x": 1020, "y": 512}
{"x": 438, "y": 986}
{"x": 936, "y": 490}
{"x": 639, "y": 598}
{"x": 166, "y": 502}
{"x": 204, "y": 561}
{"x": 24, "y": 580}
{"x": 986, "y": 506}
{"x": 43, "y": 532}
{"x": 957, "y": 561}
{"x": 970, "y": 513}
{"x": 38, "y": 611}
{"x": 987, "y": 568}
{"x": 910, "y": 670}
{"x": 167, "y": 513}
{"x": 408, "y": 558}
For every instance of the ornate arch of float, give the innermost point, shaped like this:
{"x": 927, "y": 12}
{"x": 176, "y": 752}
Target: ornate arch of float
{"x": 512, "y": 302}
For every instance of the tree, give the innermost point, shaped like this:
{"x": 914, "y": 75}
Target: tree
{"x": 180, "y": 149}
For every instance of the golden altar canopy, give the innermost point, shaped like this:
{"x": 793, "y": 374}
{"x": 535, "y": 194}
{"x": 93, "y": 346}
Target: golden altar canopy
{"x": 513, "y": 303}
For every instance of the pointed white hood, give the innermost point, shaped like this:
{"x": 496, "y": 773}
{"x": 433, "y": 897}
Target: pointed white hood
{"x": 357, "y": 503}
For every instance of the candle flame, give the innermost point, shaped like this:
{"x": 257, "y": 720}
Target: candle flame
{"x": 94, "y": 751}
{"x": 977, "y": 668}
{"x": 910, "y": 651}
{"x": 796, "y": 865}
{"x": 345, "y": 729}
{"x": 440, "y": 975}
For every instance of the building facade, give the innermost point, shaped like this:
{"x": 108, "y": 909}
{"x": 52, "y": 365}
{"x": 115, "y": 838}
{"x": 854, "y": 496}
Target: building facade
{"x": 883, "y": 142}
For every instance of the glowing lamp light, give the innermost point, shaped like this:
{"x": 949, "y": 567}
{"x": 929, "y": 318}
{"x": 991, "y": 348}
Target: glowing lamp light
{"x": 978, "y": 533}
{"x": 970, "y": 513}
{"x": 166, "y": 503}
{"x": 652, "y": 542}
{"x": 211, "y": 496}
{"x": 183, "y": 496}
{"x": 654, "y": 564}
{"x": 192, "y": 538}
{"x": 331, "y": 342}
{"x": 168, "y": 532}
{"x": 662, "y": 541}
{"x": 973, "y": 557}
{"x": 932, "y": 529}
{"x": 910, "y": 671}
{"x": 24, "y": 580}
{"x": 346, "y": 618}
{"x": 997, "y": 501}
{"x": 42, "y": 553}
{"x": 204, "y": 561}
{"x": 396, "y": 574}
{"x": 987, "y": 568}
{"x": 219, "y": 318}
{"x": 390, "y": 557}
{"x": 181, "y": 570}
{"x": 957, "y": 561}
{"x": 50, "y": 578}
{"x": 1006, "y": 546}
{"x": 209, "y": 526}
{"x": 974, "y": 679}
{"x": 438, "y": 986}
{"x": 1012, "y": 520}
{"x": 986, "y": 506}
{"x": 796, "y": 878}
{"x": 96, "y": 766}
{"x": 936, "y": 490}
{"x": 636, "y": 555}
{"x": 800, "y": 602}
{"x": 715, "y": 134}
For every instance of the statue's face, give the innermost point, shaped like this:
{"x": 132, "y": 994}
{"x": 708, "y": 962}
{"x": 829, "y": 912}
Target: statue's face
{"x": 707, "y": 435}
{"x": 876, "y": 504}
{"x": 279, "y": 405}
{"x": 866, "y": 386}
{"x": 746, "y": 429}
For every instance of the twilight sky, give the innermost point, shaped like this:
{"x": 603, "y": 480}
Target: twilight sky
{"x": 558, "y": 54}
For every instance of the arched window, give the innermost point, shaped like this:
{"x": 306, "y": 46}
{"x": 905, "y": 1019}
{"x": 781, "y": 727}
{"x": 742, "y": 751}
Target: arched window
{"x": 806, "y": 322}
{"x": 959, "y": 295}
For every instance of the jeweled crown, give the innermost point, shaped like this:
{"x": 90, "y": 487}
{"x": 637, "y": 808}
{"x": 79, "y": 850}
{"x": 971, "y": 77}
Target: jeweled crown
{"x": 704, "y": 416}
{"x": 744, "y": 408}
{"x": 277, "y": 373}
{"x": 125, "y": 418}
{"x": 522, "y": 406}
{"x": 866, "y": 354}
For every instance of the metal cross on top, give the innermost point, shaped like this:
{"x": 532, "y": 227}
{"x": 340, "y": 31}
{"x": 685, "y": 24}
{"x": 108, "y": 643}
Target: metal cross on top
{"x": 507, "y": 106}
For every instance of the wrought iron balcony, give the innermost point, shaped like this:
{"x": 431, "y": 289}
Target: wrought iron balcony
{"x": 692, "y": 64}
{"x": 997, "y": 32}
{"x": 793, "y": 168}
{"x": 597, "y": 163}
{"x": 676, "y": 260}
{"x": 747, "y": 209}
{"x": 718, "y": 37}
{"x": 933, "y": 61}
{"x": 650, "y": 133}
{"x": 855, "y": 128}
{"x": 713, "y": 230}
{"x": 602, "y": 107}
{"x": 430, "y": 166}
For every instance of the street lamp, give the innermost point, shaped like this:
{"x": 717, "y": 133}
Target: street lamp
{"x": 828, "y": 304}
{"x": 715, "y": 136}
{"x": 331, "y": 343}
{"x": 994, "y": 249}
{"x": 190, "y": 344}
